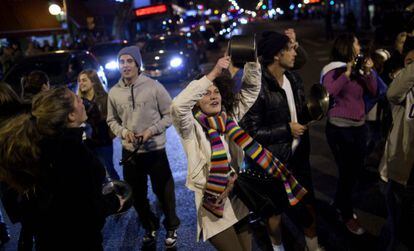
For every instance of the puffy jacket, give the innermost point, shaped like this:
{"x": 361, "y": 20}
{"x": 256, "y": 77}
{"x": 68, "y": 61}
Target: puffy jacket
{"x": 268, "y": 119}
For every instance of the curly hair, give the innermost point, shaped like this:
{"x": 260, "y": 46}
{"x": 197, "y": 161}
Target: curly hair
{"x": 226, "y": 86}
{"x": 10, "y": 103}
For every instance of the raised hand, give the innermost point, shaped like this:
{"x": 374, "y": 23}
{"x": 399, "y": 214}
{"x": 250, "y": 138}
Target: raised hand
{"x": 222, "y": 63}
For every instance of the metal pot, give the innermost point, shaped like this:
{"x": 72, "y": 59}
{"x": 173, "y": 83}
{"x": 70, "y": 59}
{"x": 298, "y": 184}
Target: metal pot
{"x": 318, "y": 102}
{"x": 122, "y": 189}
{"x": 242, "y": 49}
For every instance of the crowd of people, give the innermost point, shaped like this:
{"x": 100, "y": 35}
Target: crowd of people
{"x": 247, "y": 148}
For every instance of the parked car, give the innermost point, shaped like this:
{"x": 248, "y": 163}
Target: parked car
{"x": 106, "y": 53}
{"x": 170, "y": 57}
{"x": 62, "y": 67}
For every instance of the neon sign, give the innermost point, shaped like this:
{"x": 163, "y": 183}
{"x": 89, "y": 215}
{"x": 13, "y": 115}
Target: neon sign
{"x": 151, "y": 10}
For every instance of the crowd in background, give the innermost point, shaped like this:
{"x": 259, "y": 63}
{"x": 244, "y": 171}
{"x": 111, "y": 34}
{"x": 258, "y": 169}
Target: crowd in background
{"x": 246, "y": 151}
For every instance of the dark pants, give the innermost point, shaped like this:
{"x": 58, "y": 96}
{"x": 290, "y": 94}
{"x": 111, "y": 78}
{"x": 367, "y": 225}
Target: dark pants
{"x": 400, "y": 220}
{"x": 155, "y": 165}
{"x": 348, "y": 146}
{"x": 105, "y": 155}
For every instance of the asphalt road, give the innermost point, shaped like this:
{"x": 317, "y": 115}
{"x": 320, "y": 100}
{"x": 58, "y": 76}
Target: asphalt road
{"x": 124, "y": 232}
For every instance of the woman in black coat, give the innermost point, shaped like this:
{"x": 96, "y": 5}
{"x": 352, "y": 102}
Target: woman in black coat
{"x": 44, "y": 159}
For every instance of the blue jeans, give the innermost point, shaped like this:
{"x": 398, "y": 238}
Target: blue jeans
{"x": 105, "y": 155}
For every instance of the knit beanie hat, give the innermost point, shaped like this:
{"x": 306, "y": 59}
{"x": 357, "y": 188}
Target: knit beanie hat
{"x": 270, "y": 44}
{"x": 134, "y": 52}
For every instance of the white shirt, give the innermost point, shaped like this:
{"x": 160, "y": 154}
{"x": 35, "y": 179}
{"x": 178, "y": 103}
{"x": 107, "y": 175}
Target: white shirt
{"x": 292, "y": 107}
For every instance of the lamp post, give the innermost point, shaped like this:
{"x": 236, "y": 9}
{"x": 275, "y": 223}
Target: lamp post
{"x": 61, "y": 15}
{"x": 55, "y": 9}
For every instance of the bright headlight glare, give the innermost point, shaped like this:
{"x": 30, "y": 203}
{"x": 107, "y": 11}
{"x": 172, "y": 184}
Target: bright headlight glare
{"x": 112, "y": 65}
{"x": 176, "y": 62}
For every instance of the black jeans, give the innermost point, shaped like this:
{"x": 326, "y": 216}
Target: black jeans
{"x": 155, "y": 165}
{"x": 400, "y": 220}
{"x": 348, "y": 146}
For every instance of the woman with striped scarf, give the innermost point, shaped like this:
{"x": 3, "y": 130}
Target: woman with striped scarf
{"x": 205, "y": 115}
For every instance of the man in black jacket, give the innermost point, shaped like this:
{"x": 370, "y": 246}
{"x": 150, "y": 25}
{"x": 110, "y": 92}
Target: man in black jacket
{"x": 278, "y": 121}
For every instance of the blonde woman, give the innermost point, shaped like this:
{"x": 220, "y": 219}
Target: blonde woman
{"x": 43, "y": 158}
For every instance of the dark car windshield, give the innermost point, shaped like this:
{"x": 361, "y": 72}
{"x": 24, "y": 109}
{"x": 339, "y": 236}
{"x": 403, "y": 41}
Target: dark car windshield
{"x": 54, "y": 66}
{"x": 61, "y": 68}
{"x": 106, "y": 49}
{"x": 174, "y": 43}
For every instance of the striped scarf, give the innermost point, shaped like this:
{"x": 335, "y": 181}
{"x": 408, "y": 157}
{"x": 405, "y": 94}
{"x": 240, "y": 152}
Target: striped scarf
{"x": 220, "y": 168}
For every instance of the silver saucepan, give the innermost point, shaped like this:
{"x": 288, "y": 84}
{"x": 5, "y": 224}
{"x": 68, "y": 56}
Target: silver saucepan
{"x": 318, "y": 103}
{"x": 242, "y": 49}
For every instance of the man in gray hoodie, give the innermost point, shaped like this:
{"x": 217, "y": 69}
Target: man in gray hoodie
{"x": 140, "y": 106}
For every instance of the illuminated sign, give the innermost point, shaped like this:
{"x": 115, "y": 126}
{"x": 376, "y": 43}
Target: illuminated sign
{"x": 151, "y": 10}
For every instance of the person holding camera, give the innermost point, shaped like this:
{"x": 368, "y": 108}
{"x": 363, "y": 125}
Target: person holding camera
{"x": 44, "y": 159}
{"x": 346, "y": 78}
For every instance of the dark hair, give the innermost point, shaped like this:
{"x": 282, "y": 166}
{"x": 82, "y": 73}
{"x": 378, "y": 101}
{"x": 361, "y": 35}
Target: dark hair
{"x": 268, "y": 59}
{"x": 343, "y": 48}
{"x": 10, "y": 103}
{"x": 270, "y": 44}
{"x": 226, "y": 86}
{"x": 20, "y": 137}
{"x": 34, "y": 82}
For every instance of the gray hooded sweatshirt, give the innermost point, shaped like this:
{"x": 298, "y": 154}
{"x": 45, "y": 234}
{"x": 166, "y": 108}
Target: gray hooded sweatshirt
{"x": 145, "y": 104}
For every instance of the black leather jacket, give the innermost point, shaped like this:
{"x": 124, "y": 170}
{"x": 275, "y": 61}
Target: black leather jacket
{"x": 268, "y": 119}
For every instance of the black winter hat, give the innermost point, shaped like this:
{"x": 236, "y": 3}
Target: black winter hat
{"x": 271, "y": 43}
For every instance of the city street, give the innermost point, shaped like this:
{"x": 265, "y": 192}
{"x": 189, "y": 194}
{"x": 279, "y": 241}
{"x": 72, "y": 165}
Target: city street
{"x": 124, "y": 233}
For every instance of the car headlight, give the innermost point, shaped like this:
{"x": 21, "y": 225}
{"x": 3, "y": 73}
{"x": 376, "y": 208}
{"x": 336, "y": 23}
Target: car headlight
{"x": 102, "y": 76}
{"x": 112, "y": 65}
{"x": 176, "y": 62}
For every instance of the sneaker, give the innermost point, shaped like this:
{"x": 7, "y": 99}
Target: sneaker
{"x": 171, "y": 239}
{"x": 149, "y": 237}
{"x": 354, "y": 227}
{"x": 338, "y": 211}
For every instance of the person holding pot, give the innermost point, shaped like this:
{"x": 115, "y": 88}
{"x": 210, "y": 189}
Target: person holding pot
{"x": 205, "y": 115}
{"x": 44, "y": 159}
{"x": 277, "y": 120}
{"x": 139, "y": 107}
